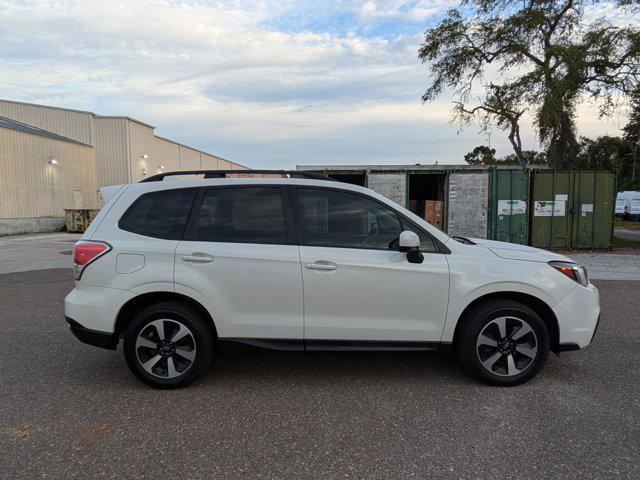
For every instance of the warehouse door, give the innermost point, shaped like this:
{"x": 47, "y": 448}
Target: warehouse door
{"x": 467, "y": 209}
{"x": 78, "y": 200}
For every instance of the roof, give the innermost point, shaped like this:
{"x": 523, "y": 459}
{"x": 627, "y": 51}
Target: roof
{"x": 99, "y": 117}
{"x": 87, "y": 112}
{"x": 47, "y": 106}
{"x": 197, "y": 150}
{"x": 404, "y": 168}
{"x": 23, "y": 127}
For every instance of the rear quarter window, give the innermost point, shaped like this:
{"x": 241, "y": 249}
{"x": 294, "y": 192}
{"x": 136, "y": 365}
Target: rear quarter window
{"x": 161, "y": 214}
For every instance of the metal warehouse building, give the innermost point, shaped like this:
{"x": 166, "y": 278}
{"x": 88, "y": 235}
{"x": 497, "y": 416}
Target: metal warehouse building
{"x": 544, "y": 208}
{"x": 55, "y": 158}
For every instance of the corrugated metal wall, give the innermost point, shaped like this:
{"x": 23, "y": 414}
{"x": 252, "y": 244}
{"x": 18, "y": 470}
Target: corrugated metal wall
{"x": 111, "y": 151}
{"x": 573, "y": 209}
{"x": 467, "y": 207}
{"x": 208, "y": 162}
{"x": 121, "y": 143}
{"x": 118, "y": 150}
{"x": 508, "y": 206}
{"x": 189, "y": 158}
{"x": 30, "y": 187}
{"x": 69, "y": 123}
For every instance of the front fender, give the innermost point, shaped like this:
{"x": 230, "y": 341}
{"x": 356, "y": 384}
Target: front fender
{"x": 473, "y": 278}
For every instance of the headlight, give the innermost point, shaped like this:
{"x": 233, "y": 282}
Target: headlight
{"x": 573, "y": 271}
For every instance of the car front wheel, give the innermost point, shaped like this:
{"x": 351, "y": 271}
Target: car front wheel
{"x": 503, "y": 342}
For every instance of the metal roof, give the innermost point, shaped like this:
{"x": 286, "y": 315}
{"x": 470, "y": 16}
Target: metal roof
{"x": 23, "y": 127}
{"x": 408, "y": 168}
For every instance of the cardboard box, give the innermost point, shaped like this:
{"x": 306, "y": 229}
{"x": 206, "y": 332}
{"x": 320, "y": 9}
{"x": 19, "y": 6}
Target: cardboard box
{"x": 438, "y": 216}
{"x": 434, "y": 212}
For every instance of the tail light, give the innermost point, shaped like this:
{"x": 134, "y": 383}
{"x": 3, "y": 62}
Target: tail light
{"x": 86, "y": 252}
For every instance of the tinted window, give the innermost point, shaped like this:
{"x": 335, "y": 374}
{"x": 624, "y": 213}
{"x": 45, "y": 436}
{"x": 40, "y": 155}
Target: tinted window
{"x": 242, "y": 215}
{"x": 341, "y": 219}
{"x": 159, "y": 214}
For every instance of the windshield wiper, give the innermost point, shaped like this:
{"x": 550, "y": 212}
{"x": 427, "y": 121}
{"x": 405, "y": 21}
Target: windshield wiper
{"x": 463, "y": 240}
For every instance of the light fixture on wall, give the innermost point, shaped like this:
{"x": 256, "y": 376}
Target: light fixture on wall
{"x": 143, "y": 170}
{"x": 53, "y": 161}
{"x": 161, "y": 167}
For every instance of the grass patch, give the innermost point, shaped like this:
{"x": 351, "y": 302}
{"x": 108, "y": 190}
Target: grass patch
{"x": 625, "y": 243}
{"x": 626, "y": 224}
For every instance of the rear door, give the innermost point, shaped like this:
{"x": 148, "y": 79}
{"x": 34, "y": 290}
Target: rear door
{"x": 239, "y": 255}
{"x": 357, "y": 288}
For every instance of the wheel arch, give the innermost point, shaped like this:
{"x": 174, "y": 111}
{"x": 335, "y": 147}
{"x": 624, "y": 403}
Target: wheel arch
{"x": 536, "y": 304}
{"x": 129, "y": 310}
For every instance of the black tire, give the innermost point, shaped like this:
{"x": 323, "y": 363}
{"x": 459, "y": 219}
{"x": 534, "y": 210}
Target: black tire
{"x": 485, "y": 319}
{"x": 200, "y": 339}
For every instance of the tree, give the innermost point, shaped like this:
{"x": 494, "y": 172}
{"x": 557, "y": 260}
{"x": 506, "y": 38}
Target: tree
{"x": 609, "y": 153}
{"x": 483, "y": 155}
{"x": 543, "y": 58}
{"x": 632, "y": 128}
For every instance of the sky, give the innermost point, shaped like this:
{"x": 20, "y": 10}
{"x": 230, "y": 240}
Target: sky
{"x": 269, "y": 84}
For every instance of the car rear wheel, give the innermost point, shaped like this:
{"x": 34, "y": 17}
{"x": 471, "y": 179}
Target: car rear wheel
{"x": 503, "y": 342}
{"x": 168, "y": 345}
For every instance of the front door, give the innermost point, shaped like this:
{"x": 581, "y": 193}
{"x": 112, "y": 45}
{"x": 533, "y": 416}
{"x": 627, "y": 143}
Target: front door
{"x": 355, "y": 287}
{"x": 239, "y": 254}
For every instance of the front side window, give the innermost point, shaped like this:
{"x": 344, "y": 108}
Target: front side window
{"x": 242, "y": 215}
{"x": 161, "y": 214}
{"x": 341, "y": 219}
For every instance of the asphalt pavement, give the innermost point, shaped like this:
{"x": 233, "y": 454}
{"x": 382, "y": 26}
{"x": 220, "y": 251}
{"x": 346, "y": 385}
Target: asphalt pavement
{"x": 69, "y": 410}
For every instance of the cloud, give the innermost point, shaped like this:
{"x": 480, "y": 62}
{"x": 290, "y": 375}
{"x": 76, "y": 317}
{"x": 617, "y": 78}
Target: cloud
{"x": 412, "y": 10}
{"x": 266, "y": 83}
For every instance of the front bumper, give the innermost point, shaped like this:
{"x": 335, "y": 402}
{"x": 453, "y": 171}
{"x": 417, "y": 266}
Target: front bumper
{"x": 92, "y": 337}
{"x": 578, "y": 315}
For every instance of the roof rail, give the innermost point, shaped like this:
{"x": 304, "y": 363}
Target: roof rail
{"x": 223, "y": 174}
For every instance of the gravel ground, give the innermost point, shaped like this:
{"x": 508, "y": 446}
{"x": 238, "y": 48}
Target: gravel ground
{"x": 20, "y": 253}
{"x": 627, "y": 234}
{"x": 72, "y": 411}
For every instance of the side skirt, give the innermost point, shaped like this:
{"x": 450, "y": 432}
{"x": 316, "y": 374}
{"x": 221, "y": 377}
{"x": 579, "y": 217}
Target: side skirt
{"x": 335, "y": 345}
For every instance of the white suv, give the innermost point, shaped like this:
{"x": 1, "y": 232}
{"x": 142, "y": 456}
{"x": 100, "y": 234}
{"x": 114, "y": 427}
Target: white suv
{"x": 177, "y": 266}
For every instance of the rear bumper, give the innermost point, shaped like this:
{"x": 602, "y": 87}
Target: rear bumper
{"x": 95, "y": 308}
{"x": 92, "y": 337}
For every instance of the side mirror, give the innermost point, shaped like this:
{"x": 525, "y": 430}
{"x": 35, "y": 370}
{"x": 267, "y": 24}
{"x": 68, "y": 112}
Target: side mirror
{"x": 409, "y": 242}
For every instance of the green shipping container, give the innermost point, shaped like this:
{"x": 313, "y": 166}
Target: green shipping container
{"x": 508, "y": 206}
{"x": 572, "y": 209}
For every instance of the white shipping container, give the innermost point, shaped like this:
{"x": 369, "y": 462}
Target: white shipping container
{"x": 467, "y": 209}
{"x": 628, "y": 202}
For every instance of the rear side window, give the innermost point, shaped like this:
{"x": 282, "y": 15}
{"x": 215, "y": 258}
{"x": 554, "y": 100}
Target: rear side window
{"x": 242, "y": 215}
{"x": 160, "y": 214}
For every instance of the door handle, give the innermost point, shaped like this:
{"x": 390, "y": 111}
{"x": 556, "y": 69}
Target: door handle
{"x": 321, "y": 266}
{"x": 198, "y": 258}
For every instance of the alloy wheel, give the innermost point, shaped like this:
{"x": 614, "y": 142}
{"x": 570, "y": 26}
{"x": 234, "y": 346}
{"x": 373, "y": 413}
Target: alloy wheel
{"x": 165, "y": 348}
{"x": 507, "y": 346}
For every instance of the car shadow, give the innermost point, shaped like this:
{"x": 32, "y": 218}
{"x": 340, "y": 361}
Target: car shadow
{"x": 239, "y": 362}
